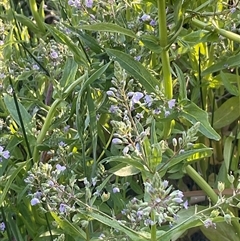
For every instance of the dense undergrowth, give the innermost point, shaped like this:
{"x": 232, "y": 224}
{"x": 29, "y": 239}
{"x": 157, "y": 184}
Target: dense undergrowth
{"x": 119, "y": 120}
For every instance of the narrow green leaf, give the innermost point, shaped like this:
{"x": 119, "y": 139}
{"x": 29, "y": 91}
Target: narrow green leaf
{"x": 26, "y": 117}
{"x": 199, "y": 151}
{"x": 108, "y": 27}
{"x": 223, "y": 64}
{"x": 64, "y": 39}
{"x": 232, "y": 89}
{"x": 69, "y": 72}
{"x": 122, "y": 159}
{"x": 227, "y": 152}
{"x": 11, "y": 179}
{"x": 136, "y": 69}
{"x": 27, "y": 22}
{"x": 132, "y": 234}
{"x": 182, "y": 83}
{"x": 127, "y": 171}
{"x": 228, "y": 112}
{"x": 151, "y": 42}
{"x": 193, "y": 114}
{"x": 69, "y": 228}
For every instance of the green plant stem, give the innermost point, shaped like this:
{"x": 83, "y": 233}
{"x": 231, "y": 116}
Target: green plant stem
{"x": 202, "y": 183}
{"x": 162, "y": 25}
{"x": 153, "y": 227}
{"x": 45, "y": 128}
{"x": 212, "y": 27}
{"x": 166, "y": 69}
{"x": 36, "y": 15}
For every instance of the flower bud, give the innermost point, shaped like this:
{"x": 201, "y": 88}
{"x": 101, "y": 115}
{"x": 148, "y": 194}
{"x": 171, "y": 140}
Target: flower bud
{"x": 174, "y": 142}
{"x": 105, "y": 196}
{"x": 221, "y": 187}
{"x": 231, "y": 178}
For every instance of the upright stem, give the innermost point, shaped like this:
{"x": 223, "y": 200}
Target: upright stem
{"x": 167, "y": 77}
{"x": 153, "y": 227}
{"x": 162, "y": 24}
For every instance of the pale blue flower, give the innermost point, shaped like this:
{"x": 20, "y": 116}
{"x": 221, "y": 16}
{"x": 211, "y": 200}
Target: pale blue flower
{"x": 89, "y": 3}
{"x": 138, "y": 58}
{"x": 209, "y": 223}
{"x": 54, "y": 54}
{"x": 4, "y": 154}
{"x": 62, "y": 144}
{"x": 35, "y": 201}
{"x": 171, "y": 103}
{"x": 185, "y": 204}
{"x": 116, "y": 190}
{"x": 148, "y": 222}
{"x": 113, "y": 109}
{"x": 137, "y": 96}
{"x": 116, "y": 141}
{"x": 102, "y": 236}
{"x": 167, "y": 113}
{"x": 60, "y": 168}
{"x": 110, "y": 93}
{"x": 62, "y": 208}
{"x": 153, "y": 23}
{"x": 148, "y": 100}
{"x": 145, "y": 17}
{"x": 2, "y": 226}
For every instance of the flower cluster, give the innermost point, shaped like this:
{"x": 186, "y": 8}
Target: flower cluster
{"x": 4, "y": 154}
{"x": 160, "y": 200}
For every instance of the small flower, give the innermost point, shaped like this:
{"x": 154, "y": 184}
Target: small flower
{"x": 116, "y": 141}
{"x": 35, "y": 201}
{"x": 2, "y": 226}
{"x": 113, "y": 109}
{"x": 54, "y": 54}
{"x": 167, "y": 113}
{"x": 145, "y": 17}
{"x": 232, "y": 10}
{"x": 60, "y": 168}
{"x": 38, "y": 194}
{"x": 110, "y": 93}
{"x": 62, "y": 144}
{"x": 136, "y": 97}
{"x": 138, "y": 58}
{"x": 94, "y": 181}
{"x": 4, "y": 154}
{"x": 148, "y": 222}
{"x": 2, "y": 75}
{"x": 50, "y": 183}
{"x": 116, "y": 190}
{"x": 35, "y": 67}
{"x": 102, "y": 236}
{"x": 97, "y": 193}
{"x": 71, "y": 3}
{"x": 66, "y": 128}
{"x": 171, "y": 103}
{"x": 148, "y": 100}
{"x": 86, "y": 182}
{"x": 89, "y": 3}
{"x": 165, "y": 184}
{"x": 1, "y": 42}
{"x": 185, "y": 204}
{"x": 208, "y": 223}
{"x": 62, "y": 208}
{"x": 157, "y": 111}
{"x": 153, "y": 23}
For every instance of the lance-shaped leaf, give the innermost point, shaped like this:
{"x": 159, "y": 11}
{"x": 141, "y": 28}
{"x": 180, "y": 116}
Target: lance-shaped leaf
{"x": 136, "y": 69}
{"x": 193, "y": 114}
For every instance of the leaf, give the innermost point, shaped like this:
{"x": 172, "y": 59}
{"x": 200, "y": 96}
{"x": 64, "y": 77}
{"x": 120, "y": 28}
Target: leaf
{"x": 107, "y": 220}
{"x": 182, "y": 83}
{"x": 64, "y": 39}
{"x": 193, "y": 114}
{"x": 69, "y": 228}
{"x": 228, "y": 112}
{"x": 136, "y": 69}
{"x": 26, "y": 117}
{"x": 223, "y": 64}
{"x": 232, "y": 89}
{"x": 69, "y": 72}
{"x": 152, "y": 43}
{"x": 127, "y": 171}
{"x": 122, "y": 159}
{"x": 199, "y": 152}
{"x": 108, "y": 27}
{"x": 11, "y": 179}
{"x": 27, "y": 22}
{"x": 223, "y": 232}
{"x": 227, "y": 151}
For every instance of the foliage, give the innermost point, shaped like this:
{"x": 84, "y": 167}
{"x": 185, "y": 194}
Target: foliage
{"x": 112, "y": 112}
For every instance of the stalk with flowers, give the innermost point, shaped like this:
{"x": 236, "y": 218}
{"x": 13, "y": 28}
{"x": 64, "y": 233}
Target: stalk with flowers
{"x": 119, "y": 102}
